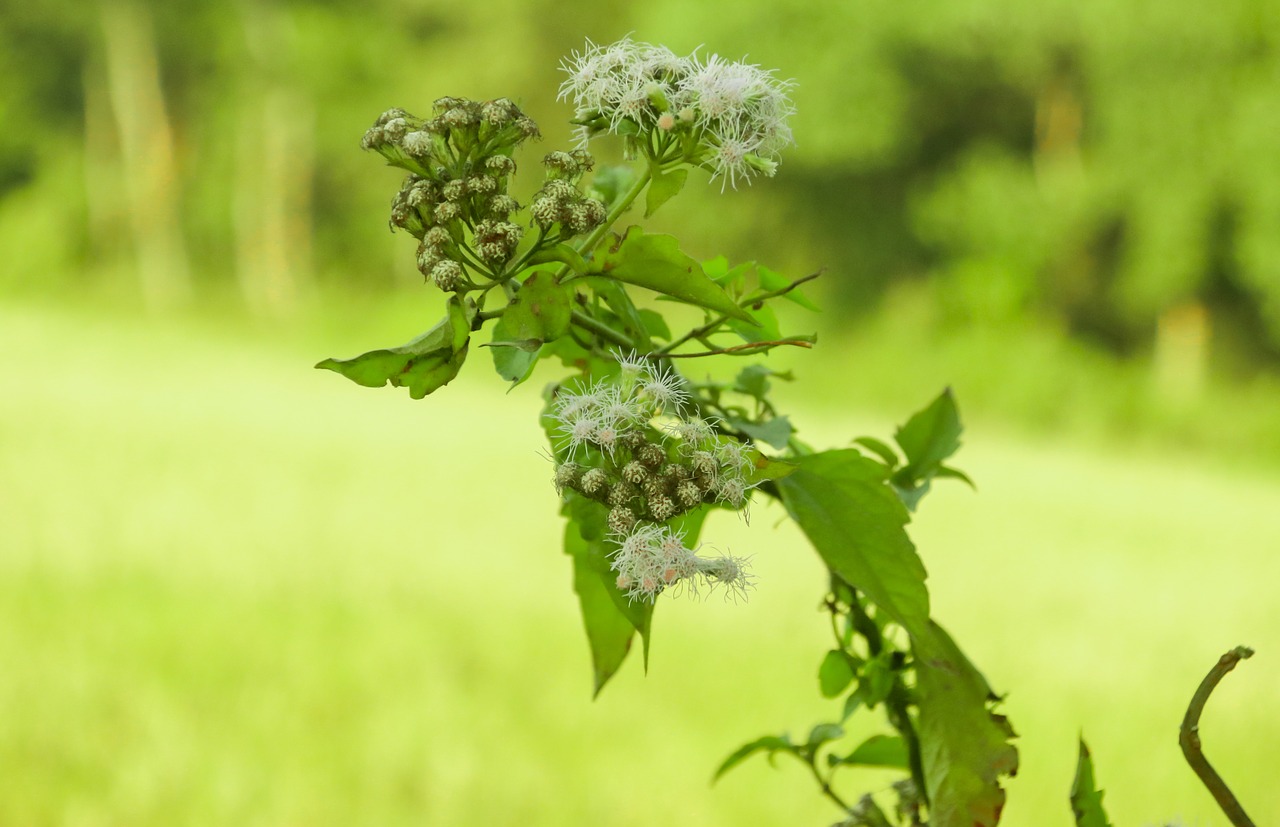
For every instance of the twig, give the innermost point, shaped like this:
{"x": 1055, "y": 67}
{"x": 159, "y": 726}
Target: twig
{"x": 714, "y": 324}
{"x": 734, "y": 349}
{"x": 1189, "y": 738}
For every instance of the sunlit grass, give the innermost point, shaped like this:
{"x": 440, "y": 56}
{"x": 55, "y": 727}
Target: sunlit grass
{"x": 234, "y": 590}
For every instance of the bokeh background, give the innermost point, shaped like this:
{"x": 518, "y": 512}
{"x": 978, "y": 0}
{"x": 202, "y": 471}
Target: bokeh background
{"x": 234, "y": 590}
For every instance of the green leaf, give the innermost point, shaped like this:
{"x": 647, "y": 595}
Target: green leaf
{"x": 633, "y": 324}
{"x": 851, "y": 704}
{"x": 771, "y": 281}
{"x": 540, "y": 309}
{"x": 856, "y": 524}
{"x": 880, "y": 449}
{"x": 590, "y": 518}
{"x": 513, "y": 358}
{"x": 835, "y": 674}
{"x": 929, "y": 437}
{"x": 424, "y": 365}
{"x": 772, "y": 743}
{"x": 612, "y": 182}
{"x": 1086, "y": 798}
{"x": 753, "y": 380}
{"x": 877, "y": 751}
{"x": 947, "y": 472}
{"x": 609, "y": 618}
{"x": 764, "y": 326}
{"x": 609, "y": 632}
{"x": 876, "y": 680}
{"x": 662, "y": 188}
{"x": 965, "y": 747}
{"x": 655, "y": 325}
{"x": 822, "y": 733}
{"x": 776, "y": 431}
{"x": 654, "y": 261}
{"x": 538, "y": 313}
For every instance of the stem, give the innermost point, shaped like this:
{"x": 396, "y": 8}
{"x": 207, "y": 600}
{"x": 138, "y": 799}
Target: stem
{"x": 593, "y": 240}
{"x": 749, "y": 346}
{"x": 604, "y": 331}
{"x": 714, "y": 324}
{"x": 1189, "y": 738}
{"x": 825, "y": 785}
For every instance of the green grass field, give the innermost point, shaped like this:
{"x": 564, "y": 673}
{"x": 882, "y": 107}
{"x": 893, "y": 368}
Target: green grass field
{"x": 234, "y": 590}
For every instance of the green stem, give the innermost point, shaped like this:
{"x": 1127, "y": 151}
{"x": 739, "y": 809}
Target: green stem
{"x": 1189, "y": 738}
{"x": 593, "y": 239}
{"x": 604, "y": 331}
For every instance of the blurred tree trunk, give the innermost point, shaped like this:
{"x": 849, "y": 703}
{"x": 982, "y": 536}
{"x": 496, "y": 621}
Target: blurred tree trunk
{"x": 274, "y": 166}
{"x": 102, "y": 181}
{"x": 146, "y": 153}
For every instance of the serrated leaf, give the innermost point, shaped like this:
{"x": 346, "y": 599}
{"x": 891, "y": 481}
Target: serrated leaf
{"x": 835, "y": 674}
{"x": 772, "y": 743}
{"x": 771, "y": 281}
{"x": 1086, "y": 798}
{"x": 663, "y": 187}
{"x": 880, "y": 449}
{"x": 877, "y": 751}
{"x": 856, "y": 524}
{"x": 928, "y": 438}
{"x": 654, "y": 261}
{"x": 425, "y": 364}
{"x": 965, "y": 748}
{"x": 538, "y": 313}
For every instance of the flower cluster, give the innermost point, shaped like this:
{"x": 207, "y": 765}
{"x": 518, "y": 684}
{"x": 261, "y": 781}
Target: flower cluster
{"x": 731, "y": 117}
{"x": 652, "y": 559}
{"x": 627, "y": 443}
{"x": 460, "y": 166}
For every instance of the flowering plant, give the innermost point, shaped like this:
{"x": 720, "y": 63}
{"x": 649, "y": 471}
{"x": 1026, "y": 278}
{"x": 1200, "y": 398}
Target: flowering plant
{"x": 642, "y": 452}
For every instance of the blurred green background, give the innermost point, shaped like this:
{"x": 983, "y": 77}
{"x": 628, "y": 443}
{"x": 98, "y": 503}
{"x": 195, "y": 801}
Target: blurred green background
{"x": 234, "y": 590}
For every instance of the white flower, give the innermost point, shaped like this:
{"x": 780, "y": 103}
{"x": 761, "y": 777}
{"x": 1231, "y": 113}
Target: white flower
{"x": 651, "y": 559}
{"x": 663, "y": 389}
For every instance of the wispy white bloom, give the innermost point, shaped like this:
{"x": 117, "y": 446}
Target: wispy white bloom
{"x": 737, "y": 111}
{"x": 652, "y": 559}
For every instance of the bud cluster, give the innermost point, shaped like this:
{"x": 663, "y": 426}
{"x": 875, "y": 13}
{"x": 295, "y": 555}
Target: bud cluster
{"x": 560, "y": 202}
{"x": 626, "y": 442}
{"x": 460, "y": 167}
{"x": 731, "y": 116}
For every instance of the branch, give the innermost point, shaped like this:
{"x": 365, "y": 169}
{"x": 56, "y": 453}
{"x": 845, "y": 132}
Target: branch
{"x": 1189, "y": 738}
{"x": 750, "y": 346}
{"x": 714, "y": 324}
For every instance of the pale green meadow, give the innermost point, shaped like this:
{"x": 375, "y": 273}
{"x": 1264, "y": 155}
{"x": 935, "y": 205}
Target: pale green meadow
{"x": 238, "y": 591}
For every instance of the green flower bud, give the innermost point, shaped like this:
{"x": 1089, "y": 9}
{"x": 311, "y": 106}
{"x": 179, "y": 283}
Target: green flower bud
{"x": 594, "y": 482}
{"x": 635, "y": 473}
{"x": 447, "y": 275}
{"x": 622, "y": 493}
{"x": 688, "y": 493}
{"x": 651, "y": 455}
{"x": 566, "y": 475}
{"x": 661, "y": 508}
{"x": 621, "y": 520}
